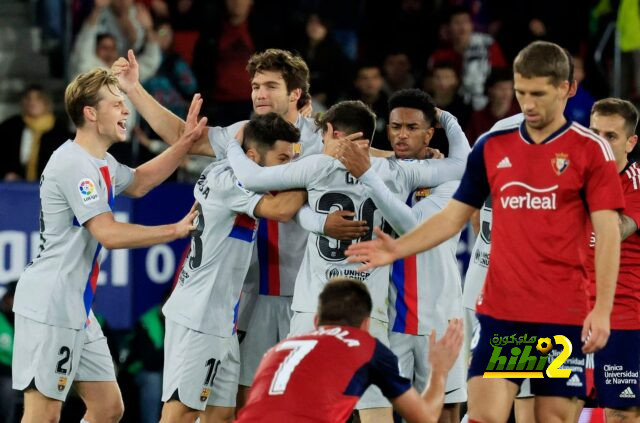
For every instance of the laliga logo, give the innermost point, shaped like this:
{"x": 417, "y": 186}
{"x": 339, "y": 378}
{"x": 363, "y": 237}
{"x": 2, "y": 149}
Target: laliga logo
{"x": 520, "y": 364}
{"x": 533, "y": 199}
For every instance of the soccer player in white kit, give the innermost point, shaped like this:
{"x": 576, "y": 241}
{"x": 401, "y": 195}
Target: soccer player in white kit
{"x": 201, "y": 367}
{"x": 58, "y": 341}
{"x": 279, "y": 80}
{"x": 425, "y": 292}
{"x": 331, "y": 187}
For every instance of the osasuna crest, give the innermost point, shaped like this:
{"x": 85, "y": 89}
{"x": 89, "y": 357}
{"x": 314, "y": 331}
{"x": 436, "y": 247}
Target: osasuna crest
{"x": 204, "y": 394}
{"x": 560, "y": 163}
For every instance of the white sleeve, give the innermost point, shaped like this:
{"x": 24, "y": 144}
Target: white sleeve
{"x": 218, "y": 138}
{"x": 310, "y": 220}
{"x": 241, "y": 200}
{"x": 124, "y": 177}
{"x": 297, "y": 174}
{"x": 398, "y": 214}
{"x": 80, "y": 185}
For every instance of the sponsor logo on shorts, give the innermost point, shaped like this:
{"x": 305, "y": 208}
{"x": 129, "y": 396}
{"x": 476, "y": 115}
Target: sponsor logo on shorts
{"x": 529, "y": 357}
{"x": 88, "y": 192}
{"x": 575, "y": 381}
{"x": 204, "y": 394}
{"x": 62, "y": 383}
{"x": 627, "y": 393}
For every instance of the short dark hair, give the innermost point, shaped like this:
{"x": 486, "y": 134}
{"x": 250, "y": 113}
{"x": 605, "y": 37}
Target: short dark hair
{"x": 498, "y": 75}
{"x": 293, "y": 68}
{"x": 104, "y": 35}
{"x": 413, "y": 98}
{"x": 344, "y": 301}
{"x": 262, "y": 132}
{"x": 349, "y": 116}
{"x": 544, "y": 59}
{"x": 617, "y": 106}
{"x": 457, "y": 10}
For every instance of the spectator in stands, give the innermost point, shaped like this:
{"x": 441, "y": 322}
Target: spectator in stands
{"x": 221, "y": 55}
{"x": 397, "y": 72}
{"x": 501, "y": 104}
{"x": 474, "y": 54}
{"x": 123, "y": 20}
{"x": 31, "y": 137}
{"x": 579, "y": 106}
{"x": 443, "y": 83}
{"x": 329, "y": 68}
{"x": 10, "y": 400}
{"x": 368, "y": 89}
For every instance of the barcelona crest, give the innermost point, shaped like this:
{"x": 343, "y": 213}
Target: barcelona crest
{"x": 62, "y": 383}
{"x": 204, "y": 394}
{"x": 560, "y": 163}
{"x": 297, "y": 150}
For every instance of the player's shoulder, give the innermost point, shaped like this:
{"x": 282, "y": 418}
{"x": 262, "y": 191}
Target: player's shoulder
{"x": 591, "y": 140}
{"x": 69, "y": 158}
{"x": 226, "y": 131}
{"x": 631, "y": 177}
{"x": 506, "y": 126}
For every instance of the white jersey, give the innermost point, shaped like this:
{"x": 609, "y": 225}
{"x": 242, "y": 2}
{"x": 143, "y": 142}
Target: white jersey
{"x": 425, "y": 290}
{"x": 58, "y": 286}
{"x": 479, "y": 262}
{"x": 208, "y": 290}
{"x": 331, "y": 187}
{"x": 279, "y": 248}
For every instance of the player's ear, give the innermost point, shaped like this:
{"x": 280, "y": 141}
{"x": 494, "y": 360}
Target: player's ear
{"x": 315, "y": 320}
{"x": 295, "y": 94}
{"x": 90, "y": 113}
{"x": 253, "y": 154}
{"x": 631, "y": 143}
{"x": 428, "y": 135}
{"x": 365, "y": 324}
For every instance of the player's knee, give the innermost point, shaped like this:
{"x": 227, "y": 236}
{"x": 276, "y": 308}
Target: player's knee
{"x": 110, "y": 410}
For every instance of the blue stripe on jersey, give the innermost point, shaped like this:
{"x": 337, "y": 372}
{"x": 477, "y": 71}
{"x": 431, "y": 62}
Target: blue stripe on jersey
{"x": 242, "y": 233}
{"x": 397, "y": 278}
{"x": 89, "y": 293}
{"x": 474, "y": 186}
{"x": 235, "y": 316}
{"x": 263, "y": 256}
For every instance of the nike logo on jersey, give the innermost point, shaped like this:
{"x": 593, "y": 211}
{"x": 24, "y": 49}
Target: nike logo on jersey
{"x": 504, "y": 163}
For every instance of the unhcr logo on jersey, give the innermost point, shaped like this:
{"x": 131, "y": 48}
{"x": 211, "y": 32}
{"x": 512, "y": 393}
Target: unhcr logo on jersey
{"x": 521, "y": 356}
{"x": 334, "y": 272}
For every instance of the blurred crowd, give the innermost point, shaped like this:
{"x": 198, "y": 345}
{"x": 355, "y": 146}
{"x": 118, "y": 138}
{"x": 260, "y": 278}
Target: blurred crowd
{"x": 459, "y": 51}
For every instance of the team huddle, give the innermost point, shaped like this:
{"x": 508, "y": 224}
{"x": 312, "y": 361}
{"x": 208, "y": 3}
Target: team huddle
{"x": 322, "y": 274}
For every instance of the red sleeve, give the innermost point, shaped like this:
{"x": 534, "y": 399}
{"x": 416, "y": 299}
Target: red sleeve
{"x": 603, "y": 189}
{"x": 632, "y": 197}
{"x": 496, "y": 57}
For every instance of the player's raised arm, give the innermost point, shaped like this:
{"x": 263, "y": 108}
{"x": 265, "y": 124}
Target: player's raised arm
{"x": 166, "y": 124}
{"x": 427, "y": 407}
{"x": 150, "y": 174}
{"x": 596, "y": 328}
{"x": 254, "y": 177}
{"x": 113, "y": 235}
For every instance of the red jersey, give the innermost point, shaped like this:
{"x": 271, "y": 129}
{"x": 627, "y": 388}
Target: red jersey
{"x": 626, "y": 305}
{"x": 320, "y": 376}
{"x": 541, "y": 196}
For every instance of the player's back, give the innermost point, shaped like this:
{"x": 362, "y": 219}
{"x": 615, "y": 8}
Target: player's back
{"x": 319, "y": 377}
{"x": 211, "y": 277}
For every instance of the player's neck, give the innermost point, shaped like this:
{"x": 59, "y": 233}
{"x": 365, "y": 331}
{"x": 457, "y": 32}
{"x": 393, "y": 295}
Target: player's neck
{"x": 541, "y": 134}
{"x": 92, "y": 142}
{"x": 621, "y": 164}
{"x": 292, "y": 116}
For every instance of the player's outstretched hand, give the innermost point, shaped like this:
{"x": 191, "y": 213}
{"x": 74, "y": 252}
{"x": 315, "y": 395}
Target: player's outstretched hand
{"x": 339, "y": 226}
{"x": 193, "y": 128}
{"x": 127, "y": 71}
{"x": 443, "y": 353}
{"x": 374, "y": 253}
{"x": 332, "y": 143}
{"x": 595, "y": 331}
{"x": 187, "y": 224}
{"x": 354, "y": 155}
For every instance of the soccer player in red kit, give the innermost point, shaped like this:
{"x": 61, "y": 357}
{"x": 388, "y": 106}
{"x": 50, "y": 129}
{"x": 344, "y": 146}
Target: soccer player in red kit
{"x": 546, "y": 177}
{"x": 319, "y": 377}
{"x": 617, "y": 365}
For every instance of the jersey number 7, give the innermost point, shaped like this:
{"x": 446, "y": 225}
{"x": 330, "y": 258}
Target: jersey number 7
{"x": 299, "y": 349}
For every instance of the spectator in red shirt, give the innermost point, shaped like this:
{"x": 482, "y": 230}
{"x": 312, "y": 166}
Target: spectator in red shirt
{"x": 474, "y": 54}
{"x": 501, "y": 104}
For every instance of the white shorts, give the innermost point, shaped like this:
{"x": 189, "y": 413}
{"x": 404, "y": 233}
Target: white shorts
{"x": 470, "y": 327}
{"x": 53, "y": 357}
{"x": 413, "y": 352}
{"x": 200, "y": 369}
{"x": 302, "y": 323}
{"x": 263, "y": 321}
